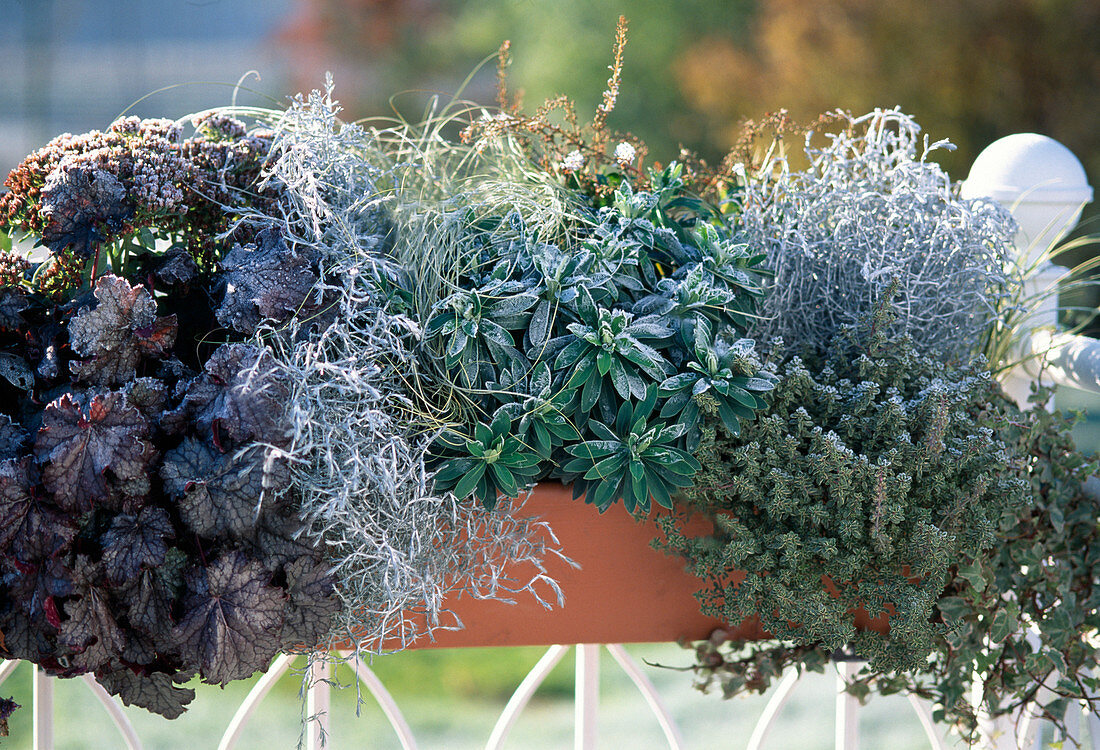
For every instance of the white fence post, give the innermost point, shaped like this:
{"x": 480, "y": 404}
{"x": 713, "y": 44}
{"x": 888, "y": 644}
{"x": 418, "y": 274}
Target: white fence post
{"x": 587, "y": 691}
{"x": 1045, "y": 188}
{"x": 42, "y": 695}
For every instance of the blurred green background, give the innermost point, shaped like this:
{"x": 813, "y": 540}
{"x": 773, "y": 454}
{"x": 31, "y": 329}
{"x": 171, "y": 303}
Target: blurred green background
{"x": 969, "y": 70}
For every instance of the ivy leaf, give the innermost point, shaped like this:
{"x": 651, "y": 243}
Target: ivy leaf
{"x": 266, "y": 280}
{"x": 240, "y": 393}
{"x": 311, "y": 602}
{"x": 972, "y": 572}
{"x": 232, "y": 619}
{"x": 118, "y": 332}
{"x": 154, "y": 691}
{"x": 136, "y": 542}
{"x": 1003, "y": 626}
{"x": 79, "y": 449}
{"x": 219, "y": 494}
{"x": 30, "y": 530}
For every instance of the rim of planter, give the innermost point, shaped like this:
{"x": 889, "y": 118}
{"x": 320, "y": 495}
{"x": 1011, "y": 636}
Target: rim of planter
{"x": 623, "y": 592}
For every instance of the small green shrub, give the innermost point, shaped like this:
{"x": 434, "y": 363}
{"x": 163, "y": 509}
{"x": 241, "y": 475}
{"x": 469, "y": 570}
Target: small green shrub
{"x": 872, "y": 474}
{"x": 603, "y": 349}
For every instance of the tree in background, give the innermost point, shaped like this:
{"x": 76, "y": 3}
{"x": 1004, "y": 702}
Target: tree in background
{"x": 378, "y": 47}
{"x": 969, "y": 70}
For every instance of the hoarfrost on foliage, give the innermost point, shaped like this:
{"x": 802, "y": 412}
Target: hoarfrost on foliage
{"x": 359, "y": 431}
{"x": 871, "y": 209}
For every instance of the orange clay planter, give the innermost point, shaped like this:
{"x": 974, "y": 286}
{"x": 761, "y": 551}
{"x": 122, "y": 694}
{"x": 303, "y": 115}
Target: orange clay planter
{"x": 624, "y": 591}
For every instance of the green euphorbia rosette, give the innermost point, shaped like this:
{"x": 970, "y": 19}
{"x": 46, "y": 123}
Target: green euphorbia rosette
{"x": 496, "y": 463}
{"x": 633, "y": 459}
{"x": 473, "y": 328}
{"x": 609, "y": 349}
{"x": 538, "y": 412}
{"x": 721, "y": 380}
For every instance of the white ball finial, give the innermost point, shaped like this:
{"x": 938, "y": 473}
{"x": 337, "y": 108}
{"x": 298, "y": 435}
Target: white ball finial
{"x": 1039, "y": 180}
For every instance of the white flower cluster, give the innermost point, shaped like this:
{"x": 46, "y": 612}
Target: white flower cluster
{"x": 572, "y": 162}
{"x": 624, "y": 154}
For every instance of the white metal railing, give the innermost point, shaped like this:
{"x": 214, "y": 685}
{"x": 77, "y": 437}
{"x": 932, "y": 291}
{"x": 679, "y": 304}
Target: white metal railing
{"x": 1044, "y": 186}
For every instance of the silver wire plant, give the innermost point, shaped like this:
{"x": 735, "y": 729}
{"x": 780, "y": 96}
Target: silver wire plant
{"x": 359, "y": 429}
{"x": 870, "y": 210}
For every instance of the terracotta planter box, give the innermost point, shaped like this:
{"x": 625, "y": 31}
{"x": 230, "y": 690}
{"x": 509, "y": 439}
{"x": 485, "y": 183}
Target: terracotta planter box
{"x": 623, "y": 592}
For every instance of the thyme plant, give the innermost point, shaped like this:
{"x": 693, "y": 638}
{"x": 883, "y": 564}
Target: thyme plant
{"x": 874, "y": 458}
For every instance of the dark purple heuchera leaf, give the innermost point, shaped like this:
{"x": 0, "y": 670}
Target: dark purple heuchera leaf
{"x": 12, "y": 303}
{"x": 147, "y": 395}
{"x": 267, "y": 280}
{"x": 88, "y": 453}
{"x": 149, "y": 598}
{"x": 280, "y": 539}
{"x": 77, "y": 201}
{"x": 136, "y": 542}
{"x": 7, "y": 708}
{"x": 154, "y": 691}
{"x": 33, "y": 615}
{"x": 177, "y": 268}
{"x": 30, "y": 530}
{"x": 220, "y": 494}
{"x": 90, "y": 629}
{"x": 12, "y": 438}
{"x": 149, "y": 604}
{"x": 233, "y": 619}
{"x": 240, "y": 395}
{"x": 311, "y": 603}
{"x": 118, "y": 332}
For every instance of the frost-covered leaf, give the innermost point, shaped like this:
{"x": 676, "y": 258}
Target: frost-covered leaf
{"x": 12, "y": 303}
{"x": 90, "y": 629}
{"x": 147, "y": 395}
{"x": 265, "y": 280}
{"x": 311, "y": 603}
{"x": 240, "y": 395}
{"x": 219, "y": 493}
{"x": 118, "y": 332}
{"x": 77, "y": 200}
{"x": 134, "y": 543}
{"x": 154, "y": 691}
{"x": 16, "y": 371}
{"x": 178, "y": 268}
{"x": 86, "y": 453}
{"x": 29, "y": 529}
{"x": 12, "y": 438}
{"x": 232, "y": 619}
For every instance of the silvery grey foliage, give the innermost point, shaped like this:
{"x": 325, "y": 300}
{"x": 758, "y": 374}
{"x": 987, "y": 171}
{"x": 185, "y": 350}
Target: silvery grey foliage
{"x": 359, "y": 437}
{"x": 871, "y": 209}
